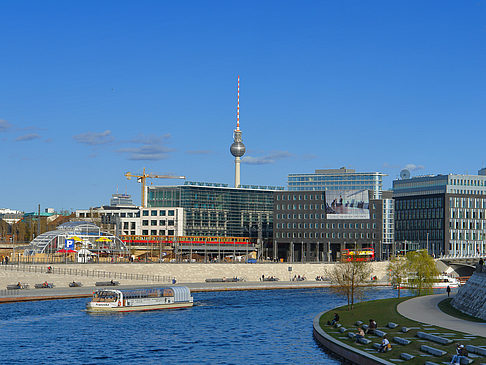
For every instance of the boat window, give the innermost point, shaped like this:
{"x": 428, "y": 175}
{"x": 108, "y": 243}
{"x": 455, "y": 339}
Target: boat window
{"x": 105, "y": 296}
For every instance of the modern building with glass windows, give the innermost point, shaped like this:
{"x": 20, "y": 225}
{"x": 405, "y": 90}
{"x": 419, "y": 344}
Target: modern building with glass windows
{"x": 445, "y": 214}
{"x": 218, "y": 210}
{"x": 337, "y": 179}
{"x": 308, "y": 229}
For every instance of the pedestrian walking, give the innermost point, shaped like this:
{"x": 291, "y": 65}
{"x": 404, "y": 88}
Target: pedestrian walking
{"x": 448, "y": 290}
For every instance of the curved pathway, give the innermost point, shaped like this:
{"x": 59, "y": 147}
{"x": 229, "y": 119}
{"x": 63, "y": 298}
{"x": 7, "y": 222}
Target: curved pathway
{"x": 424, "y": 309}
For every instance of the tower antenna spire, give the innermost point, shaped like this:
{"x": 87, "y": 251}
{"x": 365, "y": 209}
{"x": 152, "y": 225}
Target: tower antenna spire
{"x": 237, "y": 149}
{"x": 238, "y": 107}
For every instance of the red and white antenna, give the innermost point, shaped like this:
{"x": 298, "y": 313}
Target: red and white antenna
{"x": 238, "y": 107}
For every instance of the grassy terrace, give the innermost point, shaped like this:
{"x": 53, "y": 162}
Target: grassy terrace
{"x": 384, "y": 311}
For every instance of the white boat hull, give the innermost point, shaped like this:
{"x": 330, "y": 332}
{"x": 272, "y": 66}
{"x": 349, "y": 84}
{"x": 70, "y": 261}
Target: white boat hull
{"x": 137, "y": 308}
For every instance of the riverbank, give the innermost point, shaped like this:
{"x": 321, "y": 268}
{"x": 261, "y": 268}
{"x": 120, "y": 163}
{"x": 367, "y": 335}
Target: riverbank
{"x": 86, "y": 291}
{"x": 416, "y": 341}
{"x": 183, "y": 273}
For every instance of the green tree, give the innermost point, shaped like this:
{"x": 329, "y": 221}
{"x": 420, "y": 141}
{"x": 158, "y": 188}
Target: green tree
{"x": 423, "y": 271}
{"x": 398, "y": 271}
{"x": 347, "y": 279}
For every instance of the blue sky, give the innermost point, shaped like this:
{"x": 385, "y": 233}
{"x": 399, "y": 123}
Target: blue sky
{"x": 90, "y": 90}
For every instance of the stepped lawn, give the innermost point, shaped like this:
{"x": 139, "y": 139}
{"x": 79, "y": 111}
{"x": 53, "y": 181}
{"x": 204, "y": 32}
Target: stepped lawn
{"x": 384, "y": 311}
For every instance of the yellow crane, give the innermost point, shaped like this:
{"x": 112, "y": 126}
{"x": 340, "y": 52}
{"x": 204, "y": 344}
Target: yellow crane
{"x": 144, "y": 176}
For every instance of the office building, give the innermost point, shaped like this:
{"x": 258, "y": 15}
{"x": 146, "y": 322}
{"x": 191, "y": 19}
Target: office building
{"x": 336, "y": 180}
{"x": 211, "y": 209}
{"x": 312, "y": 226}
{"x": 445, "y": 214}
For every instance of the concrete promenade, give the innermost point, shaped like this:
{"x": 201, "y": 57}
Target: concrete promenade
{"x": 183, "y": 273}
{"x": 424, "y": 309}
{"x": 190, "y": 275}
{"x": 86, "y": 291}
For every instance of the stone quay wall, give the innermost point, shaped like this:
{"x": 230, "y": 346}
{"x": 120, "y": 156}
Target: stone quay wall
{"x": 182, "y": 272}
{"x": 199, "y": 272}
{"x": 471, "y": 298}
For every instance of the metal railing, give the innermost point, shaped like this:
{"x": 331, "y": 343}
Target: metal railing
{"x": 89, "y": 273}
{"x": 462, "y": 256}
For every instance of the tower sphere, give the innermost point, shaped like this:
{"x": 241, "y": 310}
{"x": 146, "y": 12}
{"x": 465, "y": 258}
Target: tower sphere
{"x": 237, "y": 149}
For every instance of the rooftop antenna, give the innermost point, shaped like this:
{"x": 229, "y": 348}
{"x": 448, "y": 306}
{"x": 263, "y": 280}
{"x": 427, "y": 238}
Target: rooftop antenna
{"x": 238, "y": 107}
{"x": 237, "y": 149}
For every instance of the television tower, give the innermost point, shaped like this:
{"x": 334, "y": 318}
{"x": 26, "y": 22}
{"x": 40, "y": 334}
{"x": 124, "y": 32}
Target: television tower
{"x": 237, "y": 148}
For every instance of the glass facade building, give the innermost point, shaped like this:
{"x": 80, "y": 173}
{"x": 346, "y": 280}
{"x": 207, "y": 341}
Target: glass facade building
{"x": 218, "y": 210}
{"x": 337, "y": 179}
{"x": 445, "y": 214}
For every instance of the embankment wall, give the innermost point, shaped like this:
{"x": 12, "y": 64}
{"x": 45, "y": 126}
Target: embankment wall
{"x": 471, "y": 298}
{"x": 196, "y": 272}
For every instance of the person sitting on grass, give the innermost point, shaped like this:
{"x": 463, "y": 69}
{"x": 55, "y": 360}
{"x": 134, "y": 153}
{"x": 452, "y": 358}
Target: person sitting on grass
{"x": 385, "y": 345}
{"x": 460, "y": 354}
{"x": 371, "y": 327}
{"x": 360, "y": 334}
{"x": 335, "y": 320}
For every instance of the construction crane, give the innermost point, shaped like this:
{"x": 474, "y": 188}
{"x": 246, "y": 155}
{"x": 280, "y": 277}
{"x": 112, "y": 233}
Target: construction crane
{"x": 143, "y": 177}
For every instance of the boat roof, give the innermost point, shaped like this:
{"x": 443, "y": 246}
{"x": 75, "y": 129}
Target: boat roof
{"x": 176, "y": 289}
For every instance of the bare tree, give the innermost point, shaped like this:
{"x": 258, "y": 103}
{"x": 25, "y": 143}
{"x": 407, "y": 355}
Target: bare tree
{"x": 348, "y": 279}
{"x": 398, "y": 271}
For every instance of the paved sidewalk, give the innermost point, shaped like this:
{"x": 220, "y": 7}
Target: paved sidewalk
{"x": 424, "y": 309}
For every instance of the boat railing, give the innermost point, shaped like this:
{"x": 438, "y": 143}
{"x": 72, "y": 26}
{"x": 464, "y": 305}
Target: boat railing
{"x": 89, "y": 273}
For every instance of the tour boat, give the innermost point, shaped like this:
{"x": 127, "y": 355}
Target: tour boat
{"x": 130, "y": 300}
{"x": 440, "y": 282}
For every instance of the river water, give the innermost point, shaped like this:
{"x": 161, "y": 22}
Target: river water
{"x": 236, "y": 327}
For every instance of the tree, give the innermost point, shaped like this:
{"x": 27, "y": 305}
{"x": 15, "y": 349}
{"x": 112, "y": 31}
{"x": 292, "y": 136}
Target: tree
{"x": 398, "y": 269}
{"x": 423, "y": 271}
{"x": 348, "y": 279}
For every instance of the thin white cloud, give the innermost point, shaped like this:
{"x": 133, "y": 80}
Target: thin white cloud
{"x": 151, "y": 139}
{"x": 265, "y": 160}
{"x": 4, "y": 125}
{"x": 199, "y": 152}
{"x": 93, "y": 138}
{"x": 148, "y": 148}
{"x": 412, "y": 167}
{"x": 409, "y": 166}
{"x": 27, "y": 137}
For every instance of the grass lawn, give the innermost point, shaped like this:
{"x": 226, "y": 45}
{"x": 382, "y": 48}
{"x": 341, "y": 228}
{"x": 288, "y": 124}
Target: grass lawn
{"x": 446, "y": 307}
{"x": 384, "y": 311}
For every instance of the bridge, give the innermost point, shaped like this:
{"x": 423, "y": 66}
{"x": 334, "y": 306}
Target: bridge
{"x": 463, "y": 265}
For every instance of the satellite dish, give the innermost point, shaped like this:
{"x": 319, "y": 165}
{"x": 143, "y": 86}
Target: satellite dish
{"x": 404, "y": 174}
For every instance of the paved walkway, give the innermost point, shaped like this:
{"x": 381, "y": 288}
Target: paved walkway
{"x": 424, "y": 309}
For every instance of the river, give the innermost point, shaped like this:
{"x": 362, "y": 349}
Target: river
{"x": 235, "y": 327}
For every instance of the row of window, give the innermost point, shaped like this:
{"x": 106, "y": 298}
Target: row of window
{"x": 153, "y": 232}
{"x": 343, "y": 178}
{"x": 419, "y": 235}
{"x": 161, "y": 213}
{"x": 128, "y": 215}
{"x": 419, "y": 214}
{"x": 468, "y": 203}
{"x": 324, "y": 235}
{"x": 419, "y": 224}
{"x": 153, "y": 222}
{"x": 301, "y": 197}
{"x": 326, "y": 225}
{"x": 126, "y": 224}
{"x": 418, "y": 203}
{"x": 467, "y": 235}
{"x": 467, "y": 214}
{"x": 468, "y": 182}
{"x": 467, "y": 224}
{"x": 299, "y": 206}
